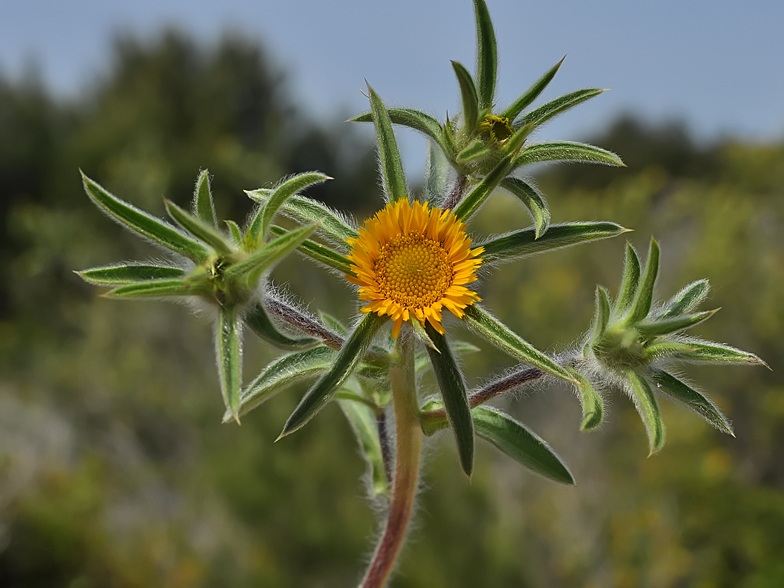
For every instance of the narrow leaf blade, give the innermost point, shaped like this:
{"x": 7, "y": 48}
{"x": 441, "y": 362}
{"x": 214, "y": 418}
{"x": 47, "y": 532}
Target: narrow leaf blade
{"x": 469, "y": 97}
{"x": 346, "y": 360}
{"x": 477, "y": 196}
{"x": 197, "y": 228}
{"x": 645, "y": 402}
{"x": 533, "y": 200}
{"x": 154, "y": 289}
{"x": 519, "y": 244}
{"x": 413, "y": 119}
{"x": 687, "y": 299}
{"x": 144, "y": 224}
{"x": 520, "y": 443}
{"x": 591, "y": 402}
{"x": 695, "y": 400}
{"x": 203, "y": 205}
{"x": 319, "y": 253}
{"x": 486, "y": 58}
{"x": 601, "y": 314}
{"x": 229, "y": 354}
{"x": 253, "y": 265}
{"x": 659, "y": 327}
{"x": 566, "y": 151}
{"x": 629, "y": 281}
{"x": 453, "y": 391}
{"x": 643, "y": 298}
{"x": 128, "y": 274}
{"x": 260, "y": 323}
{"x": 514, "y": 109}
{"x": 391, "y": 164}
{"x": 494, "y": 331}
{"x": 555, "y": 107}
{"x": 711, "y": 352}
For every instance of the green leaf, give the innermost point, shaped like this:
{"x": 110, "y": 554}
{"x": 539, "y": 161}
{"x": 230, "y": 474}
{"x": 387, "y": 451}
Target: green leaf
{"x": 261, "y": 222}
{"x": 469, "y": 96}
{"x": 630, "y": 280}
{"x": 533, "y": 200}
{"x": 259, "y": 321}
{"x": 566, "y": 151}
{"x": 479, "y": 193}
{"x": 494, "y": 331}
{"x": 555, "y": 107}
{"x": 319, "y": 252}
{"x": 251, "y": 267}
{"x": 643, "y": 297}
{"x": 236, "y": 232}
{"x": 475, "y": 150}
{"x": 413, "y": 119}
{"x": 514, "y": 109}
{"x": 664, "y": 349}
{"x": 519, "y": 244}
{"x": 486, "y": 58}
{"x": 687, "y": 395}
{"x": 197, "y": 228}
{"x": 520, "y": 443}
{"x": 307, "y": 211}
{"x": 229, "y": 354}
{"x": 282, "y": 373}
{"x": 712, "y": 352}
{"x": 203, "y": 206}
{"x": 346, "y": 360}
{"x": 592, "y": 403}
{"x": 685, "y": 300}
{"x": 391, "y": 164}
{"x": 437, "y": 169}
{"x": 601, "y": 314}
{"x": 128, "y": 274}
{"x": 145, "y": 224}
{"x": 363, "y": 423}
{"x": 155, "y": 288}
{"x": 645, "y": 402}
{"x": 453, "y": 391}
{"x": 659, "y": 327}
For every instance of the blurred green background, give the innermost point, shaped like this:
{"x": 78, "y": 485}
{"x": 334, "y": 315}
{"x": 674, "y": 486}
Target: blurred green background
{"x": 116, "y": 472}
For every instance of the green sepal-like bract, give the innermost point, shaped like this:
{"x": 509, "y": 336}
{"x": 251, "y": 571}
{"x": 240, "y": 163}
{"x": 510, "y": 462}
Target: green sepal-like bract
{"x": 128, "y": 274}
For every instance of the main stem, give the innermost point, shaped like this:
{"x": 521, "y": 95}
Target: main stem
{"x": 408, "y": 448}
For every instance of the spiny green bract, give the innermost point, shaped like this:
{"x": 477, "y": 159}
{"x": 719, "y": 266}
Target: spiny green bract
{"x": 634, "y": 344}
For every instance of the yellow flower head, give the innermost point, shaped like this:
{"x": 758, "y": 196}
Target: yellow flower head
{"x": 413, "y": 260}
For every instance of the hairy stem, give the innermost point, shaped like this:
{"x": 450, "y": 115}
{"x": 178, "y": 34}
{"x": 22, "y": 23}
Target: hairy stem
{"x": 408, "y": 447}
{"x": 456, "y": 194}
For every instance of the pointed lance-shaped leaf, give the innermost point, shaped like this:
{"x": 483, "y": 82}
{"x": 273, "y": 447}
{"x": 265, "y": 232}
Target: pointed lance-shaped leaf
{"x": 346, "y": 360}
{"x": 664, "y": 349}
{"x": 684, "y": 301}
{"x": 252, "y": 266}
{"x": 645, "y": 402}
{"x": 413, "y": 119}
{"x": 453, "y": 391}
{"x": 566, "y": 151}
{"x": 555, "y": 107}
{"x": 203, "y": 206}
{"x": 155, "y": 288}
{"x": 469, "y": 97}
{"x": 197, "y": 228}
{"x": 630, "y": 280}
{"x": 643, "y": 297}
{"x": 657, "y": 327}
{"x": 591, "y": 402}
{"x": 228, "y": 352}
{"x": 259, "y": 321}
{"x": 519, "y": 244}
{"x": 533, "y": 200}
{"x": 494, "y": 331}
{"x": 145, "y": 224}
{"x": 391, "y": 164}
{"x": 472, "y": 201}
{"x": 601, "y": 313}
{"x": 128, "y": 274}
{"x": 281, "y": 373}
{"x": 307, "y": 211}
{"x": 261, "y": 222}
{"x": 696, "y": 401}
{"x": 520, "y": 443}
{"x": 486, "y": 57}
{"x": 711, "y": 352}
{"x": 516, "y": 107}
{"x": 235, "y": 232}
{"x": 477, "y": 149}
{"x": 363, "y": 423}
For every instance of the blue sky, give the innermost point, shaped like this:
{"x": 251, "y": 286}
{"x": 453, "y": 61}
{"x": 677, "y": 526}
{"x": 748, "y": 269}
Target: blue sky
{"x": 716, "y": 64}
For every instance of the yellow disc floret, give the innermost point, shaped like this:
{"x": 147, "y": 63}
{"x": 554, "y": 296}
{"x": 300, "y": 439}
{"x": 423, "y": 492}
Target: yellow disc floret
{"x": 413, "y": 261}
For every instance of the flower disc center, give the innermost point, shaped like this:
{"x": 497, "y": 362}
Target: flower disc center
{"x": 414, "y": 271}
